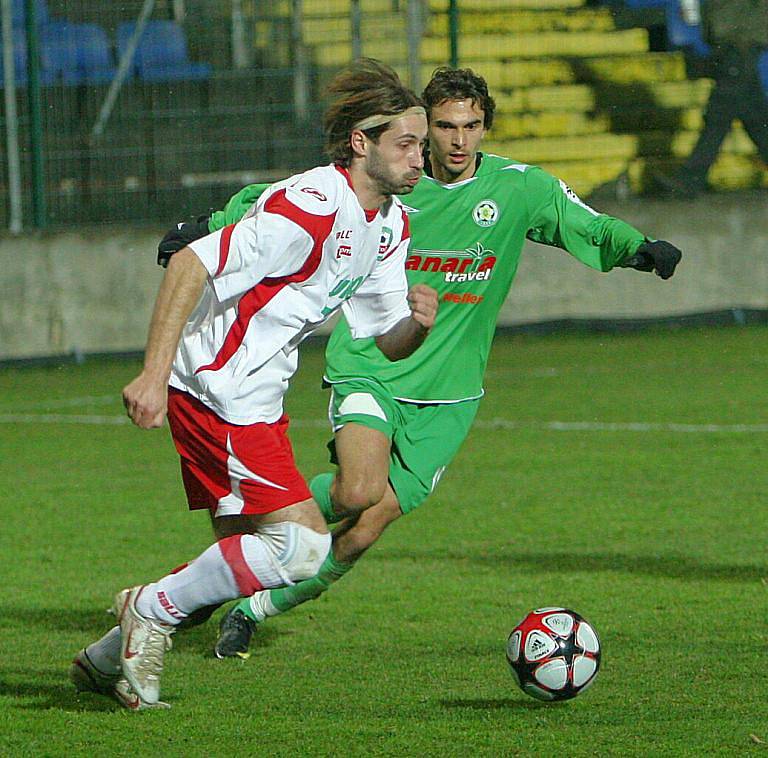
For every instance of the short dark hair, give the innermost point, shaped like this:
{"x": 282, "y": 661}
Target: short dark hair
{"x": 459, "y": 84}
{"x": 367, "y": 88}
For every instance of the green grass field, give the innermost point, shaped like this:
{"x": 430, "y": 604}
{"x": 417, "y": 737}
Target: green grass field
{"x": 623, "y": 476}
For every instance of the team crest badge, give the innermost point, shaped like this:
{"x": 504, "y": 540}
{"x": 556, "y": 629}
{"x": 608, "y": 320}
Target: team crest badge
{"x": 385, "y": 240}
{"x": 486, "y": 213}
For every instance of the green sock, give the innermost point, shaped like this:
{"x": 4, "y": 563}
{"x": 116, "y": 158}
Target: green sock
{"x": 320, "y": 487}
{"x": 331, "y": 571}
{"x": 285, "y": 598}
{"x": 244, "y": 605}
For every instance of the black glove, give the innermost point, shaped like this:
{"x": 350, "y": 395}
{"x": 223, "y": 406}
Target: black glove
{"x": 180, "y": 236}
{"x": 658, "y": 256}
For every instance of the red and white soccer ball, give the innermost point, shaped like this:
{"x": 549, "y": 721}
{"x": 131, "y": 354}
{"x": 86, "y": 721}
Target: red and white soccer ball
{"x": 554, "y": 654}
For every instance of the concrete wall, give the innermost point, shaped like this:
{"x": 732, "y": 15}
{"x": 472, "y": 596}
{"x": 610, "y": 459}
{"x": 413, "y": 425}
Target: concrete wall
{"x": 92, "y": 290}
{"x": 88, "y": 291}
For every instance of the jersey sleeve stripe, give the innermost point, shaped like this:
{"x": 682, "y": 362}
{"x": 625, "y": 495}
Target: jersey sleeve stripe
{"x": 313, "y": 224}
{"x": 345, "y": 174}
{"x": 224, "y": 242}
{"x": 260, "y": 295}
{"x": 406, "y": 227}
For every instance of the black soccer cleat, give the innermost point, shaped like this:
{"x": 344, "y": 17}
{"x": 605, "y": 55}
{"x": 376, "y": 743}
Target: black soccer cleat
{"x": 235, "y": 632}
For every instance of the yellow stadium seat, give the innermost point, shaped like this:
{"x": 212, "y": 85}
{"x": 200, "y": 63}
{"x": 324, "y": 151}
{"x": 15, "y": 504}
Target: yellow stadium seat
{"x": 553, "y": 149}
{"x": 640, "y": 67}
{"x": 525, "y": 21}
{"x": 736, "y": 143}
{"x": 583, "y": 176}
{"x": 681, "y": 94}
{"x": 339, "y": 30}
{"x": 482, "y": 47}
{"x": 562, "y": 75}
{"x": 552, "y": 124}
{"x": 440, "y": 6}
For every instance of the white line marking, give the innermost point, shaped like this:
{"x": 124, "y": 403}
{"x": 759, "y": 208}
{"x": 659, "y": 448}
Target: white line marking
{"x": 69, "y": 402}
{"x": 621, "y": 426}
{"x": 494, "y": 423}
{"x": 61, "y": 418}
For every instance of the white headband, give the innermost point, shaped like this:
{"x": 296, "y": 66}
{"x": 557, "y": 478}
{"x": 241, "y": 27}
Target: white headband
{"x": 379, "y": 119}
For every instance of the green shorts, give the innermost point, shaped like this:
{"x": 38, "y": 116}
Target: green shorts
{"x": 425, "y": 437}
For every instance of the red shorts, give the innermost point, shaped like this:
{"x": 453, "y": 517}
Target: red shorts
{"x": 233, "y": 469}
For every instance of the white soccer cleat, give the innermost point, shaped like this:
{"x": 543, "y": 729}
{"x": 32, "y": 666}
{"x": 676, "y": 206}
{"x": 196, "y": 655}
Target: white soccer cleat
{"x": 87, "y": 678}
{"x": 144, "y": 642}
{"x": 127, "y": 697}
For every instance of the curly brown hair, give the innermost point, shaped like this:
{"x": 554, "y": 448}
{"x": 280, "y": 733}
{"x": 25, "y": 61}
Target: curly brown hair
{"x": 459, "y": 84}
{"x": 367, "y": 88}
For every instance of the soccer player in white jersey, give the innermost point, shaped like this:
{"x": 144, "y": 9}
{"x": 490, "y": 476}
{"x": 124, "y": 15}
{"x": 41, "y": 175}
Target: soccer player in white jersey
{"x": 231, "y": 311}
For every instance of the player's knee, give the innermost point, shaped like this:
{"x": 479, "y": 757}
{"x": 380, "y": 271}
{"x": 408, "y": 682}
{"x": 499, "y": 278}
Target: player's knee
{"x": 356, "y": 495}
{"x": 299, "y": 550}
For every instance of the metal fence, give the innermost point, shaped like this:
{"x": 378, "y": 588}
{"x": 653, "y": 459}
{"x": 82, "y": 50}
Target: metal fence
{"x": 145, "y": 109}
{"x": 174, "y": 134}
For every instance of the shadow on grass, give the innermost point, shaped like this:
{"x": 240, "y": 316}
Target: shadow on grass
{"x": 43, "y": 689}
{"x": 49, "y": 688}
{"x": 93, "y": 624}
{"x": 201, "y": 639}
{"x": 665, "y": 566}
{"x": 493, "y": 704}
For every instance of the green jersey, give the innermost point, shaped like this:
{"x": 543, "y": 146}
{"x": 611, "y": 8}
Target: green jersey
{"x": 466, "y": 240}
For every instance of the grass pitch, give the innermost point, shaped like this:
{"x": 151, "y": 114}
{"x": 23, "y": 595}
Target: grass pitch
{"x": 622, "y": 476}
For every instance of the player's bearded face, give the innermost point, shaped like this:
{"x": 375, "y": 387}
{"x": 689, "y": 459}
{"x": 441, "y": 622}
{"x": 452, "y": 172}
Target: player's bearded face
{"x": 455, "y": 130}
{"x": 394, "y": 164}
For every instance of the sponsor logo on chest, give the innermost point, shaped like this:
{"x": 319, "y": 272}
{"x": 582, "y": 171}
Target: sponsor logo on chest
{"x": 475, "y": 264}
{"x": 344, "y": 249}
{"x": 344, "y": 236}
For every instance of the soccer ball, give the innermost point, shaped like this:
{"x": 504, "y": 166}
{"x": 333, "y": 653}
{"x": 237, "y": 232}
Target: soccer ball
{"x": 554, "y": 654}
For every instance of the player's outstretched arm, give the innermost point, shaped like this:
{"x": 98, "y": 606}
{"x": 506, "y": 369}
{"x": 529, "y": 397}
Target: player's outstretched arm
{"x": 179, "y": 237}
{"x": 405, "y": 336}
{"x": 185, "y": 232}
{"x": 146, "y": 397}
{"x": 658, "y": 256}
{"x": 559, "y": 217}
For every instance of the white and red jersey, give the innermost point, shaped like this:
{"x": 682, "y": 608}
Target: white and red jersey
{"x": 307, "y": 250}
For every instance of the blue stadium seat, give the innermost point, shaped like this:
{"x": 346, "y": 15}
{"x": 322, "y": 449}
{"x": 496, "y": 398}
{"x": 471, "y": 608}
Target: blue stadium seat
{"x": 58, "y": 53}
{"x": 161, "y": 54}
{"x": 762, "y": 68}
{"x": 681, "y": 34}
{"x": 94, "y": 54}
{"x": 18, "y": 13}
{"x": 74, "y": 54}
{"x": 19, "y": 62}
{"x": 634, "y": 4}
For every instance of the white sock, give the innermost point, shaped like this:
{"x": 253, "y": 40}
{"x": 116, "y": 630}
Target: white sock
{"x": 231, "y": 568}
{"x": 262, "y": 606}
{"x": 104, "y": 654}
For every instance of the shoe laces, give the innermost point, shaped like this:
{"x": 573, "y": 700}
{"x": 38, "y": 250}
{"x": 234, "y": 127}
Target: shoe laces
{"x": 157, "y": 641}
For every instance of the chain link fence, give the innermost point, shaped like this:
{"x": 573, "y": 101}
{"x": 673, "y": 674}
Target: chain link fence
{"x": 201, "y": 110}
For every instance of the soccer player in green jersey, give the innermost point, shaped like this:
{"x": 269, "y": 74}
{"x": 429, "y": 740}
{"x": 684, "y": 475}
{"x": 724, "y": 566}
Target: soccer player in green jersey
{"x": 397, "y": 426}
